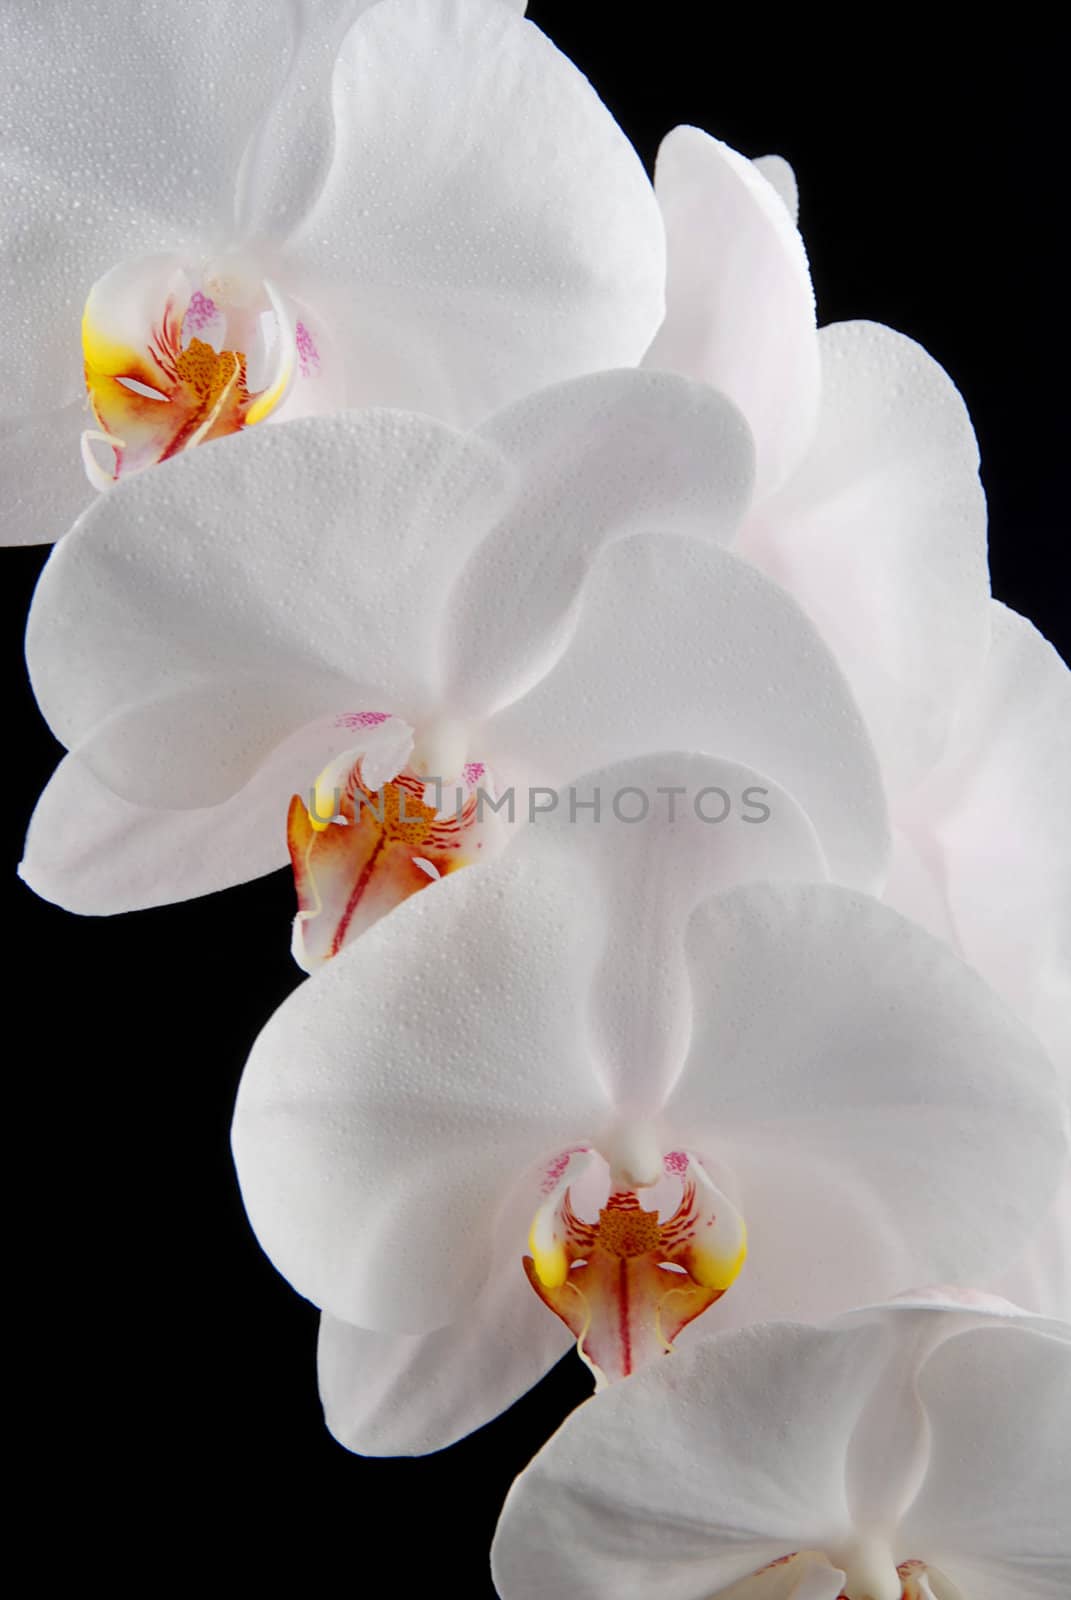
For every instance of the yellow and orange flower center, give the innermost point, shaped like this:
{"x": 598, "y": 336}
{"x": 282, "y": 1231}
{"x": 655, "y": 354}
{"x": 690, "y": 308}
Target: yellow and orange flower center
{"x": 627, "y": 1284}
{"x": 167, "y": 368}
{"x": 357, "y": 852}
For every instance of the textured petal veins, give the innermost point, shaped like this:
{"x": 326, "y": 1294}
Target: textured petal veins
{"x": 627, "y": 1284}
{"x": 358, "y": 851}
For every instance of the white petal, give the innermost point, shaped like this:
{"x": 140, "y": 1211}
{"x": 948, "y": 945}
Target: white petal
{"x": 594, "y": 461}
{"x": 484, "y": 228}
{"x": 992, "y": 1511}
{"x": 1000, "y": 821}
{"x": 881, "y": 536}
{"x": 611, "y": 833}
{"x": 92, "y": 852}
{"x": 739, "y": 303}
{"x": 1041, "y": 1278}
{"x": 390, "y": 1106}
{"x": 406, "y": 1394}
{"x": 693, "y": 1474}
{"x": 778, "y": 172}
{"x": 203, "y": 611}
{"x": 876, "y": 1113}
{"x": 45, "y": 486}
{"x": 916, "y": 883}
{"x": 681, "y": 645}
{"x": 126, "y": 130}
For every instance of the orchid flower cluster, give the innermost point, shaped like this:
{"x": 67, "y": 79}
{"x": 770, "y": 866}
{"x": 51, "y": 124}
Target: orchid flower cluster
{"x": 447, "y": 511}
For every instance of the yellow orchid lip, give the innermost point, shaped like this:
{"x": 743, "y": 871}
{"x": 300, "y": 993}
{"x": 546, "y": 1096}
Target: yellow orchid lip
{"x": 627, "y": 1283}
{"x": 168, "y": 367}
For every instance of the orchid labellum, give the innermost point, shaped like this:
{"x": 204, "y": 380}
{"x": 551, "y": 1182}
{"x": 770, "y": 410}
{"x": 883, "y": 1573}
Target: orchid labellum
{"x": 391, "y": 628}
{"x": 910, "y": 1452}
{"x": 265, "y": 209}
{"x": 573, "y": 1071}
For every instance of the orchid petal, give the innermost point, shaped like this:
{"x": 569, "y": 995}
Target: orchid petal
{"x": 695, "y": 1474}
{"x": 1009, "y": 879}
{"x": 992, "y": 1510}
{"x": 740, "y": 307}
{"x": 405, "y": 1394}
{"x": 779, "y": 174}
{"x": 547, "y": 258}
{"x": 45, "y": 485}
{"x": 594, "y": 461}
{"x": 915, "y": 1128}
{"x": 680, "y": 1481}
{"x": 113, "y": 111}
{"x": 173, "y": 678}
{"x": 94, "y": 853}
{"x": 881, "y": 537}
{"x": 648, "y": 873}
{"x": 681, "y": 645}
{"x": 390, "y": 1104}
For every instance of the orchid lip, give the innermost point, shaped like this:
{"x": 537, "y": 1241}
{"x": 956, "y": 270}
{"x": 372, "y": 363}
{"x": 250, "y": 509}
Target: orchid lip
{"x": 627, "y": 1283}
{"x": 175, "y": 355}
{"x": 369, "y": 835}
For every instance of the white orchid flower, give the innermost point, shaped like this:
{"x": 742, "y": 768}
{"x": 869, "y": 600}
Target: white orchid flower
{"x": 868, "y": 506}
{"x": 575, "y": 1054}
{"x": 909, "y": 1452}
{"x": 373, "y": 600}
{"x": 217, "y": 214}
{"x": 869, "y": 511}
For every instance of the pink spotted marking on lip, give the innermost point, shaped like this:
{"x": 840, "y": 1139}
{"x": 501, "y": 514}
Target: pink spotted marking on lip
{"x": 361, "y": 719}
{"x": 556, "y": 1168}
{"x": 200, "y": 312}
{"x": 308, "y": 355}
{"x": 472, "y": 771}
{"x": 676, "y": 1163}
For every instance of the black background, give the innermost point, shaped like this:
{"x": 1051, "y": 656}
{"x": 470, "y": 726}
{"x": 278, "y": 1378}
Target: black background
{"x": 169, "y": 1373}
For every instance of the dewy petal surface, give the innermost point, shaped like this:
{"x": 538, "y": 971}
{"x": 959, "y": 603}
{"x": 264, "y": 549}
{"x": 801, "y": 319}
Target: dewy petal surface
{"x": 207, "y": 609}
{"x": 740, "y": 307}
{"x": 687, "y": 1479}
{"x": 389, "y": 1106}
{"x": 612, "y": 455}
{"x": 484, "y": 228}
{"x": 402, "y": 1099}
{"x": 392, "y": 1134}
{"x": 92, "y": 852}
{"x": 674, "y": 1483}
{"x": 48, "y": 495}
{"x": 649, "y": 874}
{"x": 682, "y": 645}
{"x": 881, "y": 537}
{"x": 313, "y": 571}
{"x": 122, "y": 133}
{"x": 405, "y": 1394}
{"x": 843, "y": 1049}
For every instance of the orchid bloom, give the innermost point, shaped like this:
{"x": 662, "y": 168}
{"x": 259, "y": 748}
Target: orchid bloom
{"x": 337, "y": 616}
{"x": 265, "y": 209}
{"x": 914, "y": 1451}
{"x": 868, "y": 510}
{"x": 868, "y": 507}
{"x": 585, "y": 1055}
